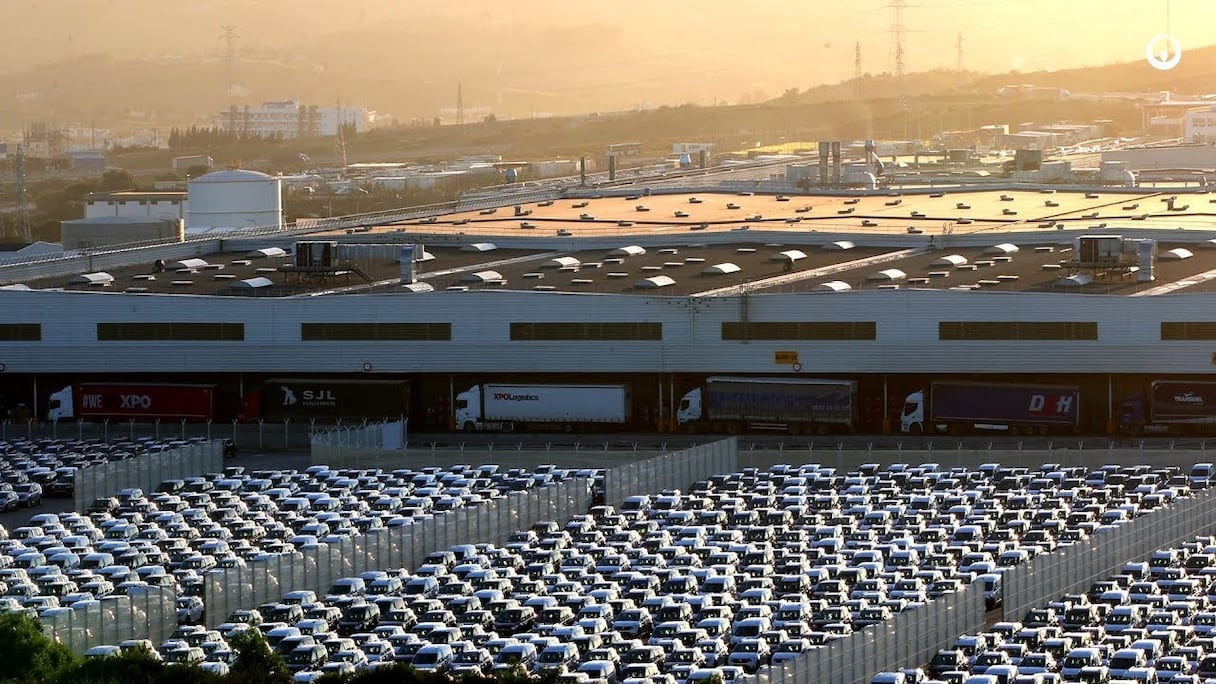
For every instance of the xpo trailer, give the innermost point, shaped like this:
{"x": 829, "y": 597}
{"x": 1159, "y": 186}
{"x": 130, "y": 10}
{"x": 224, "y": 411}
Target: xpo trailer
{"x": 133, "y": 401}
{"x": 508, "y": 407}
{"x": 980, "y": 406}
{"x": 796, "y": 405}
{"x": 1173, "y": 407}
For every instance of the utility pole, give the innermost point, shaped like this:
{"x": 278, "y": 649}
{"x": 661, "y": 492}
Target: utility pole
{"x": 958, "y": 46}
{"x": 23, "y": 211}
{"x": 857, "y": 70}
{"x": 230, "y": 37}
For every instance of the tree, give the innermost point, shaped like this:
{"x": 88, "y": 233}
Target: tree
{"x": 255, "y": 662}
{"x": 28, "y": 655}
{"x": 117, "y": 179}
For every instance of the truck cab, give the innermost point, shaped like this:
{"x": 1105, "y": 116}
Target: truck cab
{"x": 912, "y": 420}
{"x": 690, "y": 408}
{"x": 60, "y": 406}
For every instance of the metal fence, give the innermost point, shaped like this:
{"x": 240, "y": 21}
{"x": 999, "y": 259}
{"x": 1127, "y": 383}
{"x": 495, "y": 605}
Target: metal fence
{"x": 147, "y": 472}
{"x": 675, "y": 470}
{"x": 403, "y": 546}
{"x": 150, "y": 614}
{"x": 908, "y": 639}
{"x": 1077, "y": 566}
{"x": 360, "y": 446}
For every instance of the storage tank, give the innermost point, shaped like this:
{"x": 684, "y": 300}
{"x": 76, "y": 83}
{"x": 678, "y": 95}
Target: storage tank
{"x": 233, "y": 199}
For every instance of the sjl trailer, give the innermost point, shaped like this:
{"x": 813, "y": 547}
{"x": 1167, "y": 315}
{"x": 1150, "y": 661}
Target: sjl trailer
{"x": 508, "y": 407}
{"x": 953, "y": 407}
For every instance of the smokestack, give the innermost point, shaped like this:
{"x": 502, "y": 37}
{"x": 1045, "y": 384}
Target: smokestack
{"x": 836, "y": 169}
{"x": 825, "y": 149}
{"x": 582, "y": 171}
{"x": 870, "y": 156}
{"x": 702, "y": 159}
{"x": 612, "y": 167}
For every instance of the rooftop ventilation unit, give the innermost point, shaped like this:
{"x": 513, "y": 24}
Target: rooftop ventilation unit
{"x": 188, "y": 265}
{"x": 315, "y": 254}
{"x": 789, "y": 255}
{"x": 1075, "y": 280}
{"x": 484, "y": 278}
{"x": 951, "y": 260}
{"x": 1177, "y": 254}
{"x": 266, "y": 253}
{"x": 654, "y": 282}
{"x": 834, "y": 286}
{"x": 562, "y": 262}
{"x": 888, "y": 274}
{"x": 252, "y": 283}
{"x": 480, "y": 247}
{"x": 632, "y": 250}
{"x": 839, "y": 245}
{"x": 1003, "y": 248}
{"x": 417, "y": 287}
{"x": 721, "y": 269}
{"x": 98, "y": 279}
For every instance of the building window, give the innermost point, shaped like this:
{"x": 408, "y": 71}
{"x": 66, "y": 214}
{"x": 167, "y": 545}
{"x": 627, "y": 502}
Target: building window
{"x": 20, "y": 332}
{"x": 1017, "y": 330}
{"x": 1178, "y": 331}
{"x": 587, "y": 332}
{"x": 799, "y": 330}
{"x": 376, "y": 332}
{"x": 171, "y": 332}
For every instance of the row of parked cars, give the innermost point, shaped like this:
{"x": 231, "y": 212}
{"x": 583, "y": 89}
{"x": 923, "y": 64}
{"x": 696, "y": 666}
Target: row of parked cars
{"x": 1155, "y": 621}
{"x": 173, "y": 537}
{"x": 740, "y": 571}
{"x": 33, "y": 468}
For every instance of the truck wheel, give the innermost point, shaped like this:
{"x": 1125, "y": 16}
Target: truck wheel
{"x": 1013, "y": 431}
{"x": 468, "y": 426}
{"x": 567, "y": 428}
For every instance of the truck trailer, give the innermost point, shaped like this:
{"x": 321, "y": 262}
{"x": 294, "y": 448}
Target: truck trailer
{"x": 1170, "y": 407}
{"x": 329, "y": 399}
{"x": 133, "y": 401}
{"x": 294, "y": 399}
{"x": 956, "y": 407}
{"x": 796, "y": 405}
{"x": 509, "y": 407}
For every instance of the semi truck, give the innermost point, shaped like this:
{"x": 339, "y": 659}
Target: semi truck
{"x": 133, "y": 401}
{"x": 796, "y": 405}
{"x": 1173, "y": 407}
{"x": 954, "y": 407}
{"x": 508, "y": 407}
{"x": 295, "y": 399}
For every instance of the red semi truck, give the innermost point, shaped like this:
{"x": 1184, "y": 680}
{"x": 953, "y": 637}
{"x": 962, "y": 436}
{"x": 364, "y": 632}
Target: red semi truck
{"x": 133, "y": 401}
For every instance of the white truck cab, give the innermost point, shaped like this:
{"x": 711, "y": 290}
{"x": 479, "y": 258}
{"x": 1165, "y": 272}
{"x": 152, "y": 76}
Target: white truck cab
{"x": 912, "y": 419}
{"x": 690, "y": 407}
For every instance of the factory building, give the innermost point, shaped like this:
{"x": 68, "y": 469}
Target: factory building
{"x": 291, "y": 119}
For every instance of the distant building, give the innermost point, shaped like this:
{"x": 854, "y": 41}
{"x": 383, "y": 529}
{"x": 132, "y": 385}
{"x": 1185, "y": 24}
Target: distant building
{"x": 155, "y": 205}
{"x": 629, "y": 149}
{"x": 1199, "y": 124}
{"x": 188, "y": 161}
{"x": 290, "y": 119}
{"x": 89, "y": 233}
{"x": 88, "y": 162}
{"x": 3, "y": 150}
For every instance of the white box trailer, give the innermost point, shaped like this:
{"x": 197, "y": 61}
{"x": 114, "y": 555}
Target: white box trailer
{"x": 508, "y": 407}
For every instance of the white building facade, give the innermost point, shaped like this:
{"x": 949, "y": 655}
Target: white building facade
{"x": 1199, "y": 125}
{"x": 291, "y": 119}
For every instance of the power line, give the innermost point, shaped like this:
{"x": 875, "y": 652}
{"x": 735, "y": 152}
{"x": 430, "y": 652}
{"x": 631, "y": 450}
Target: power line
{"x": 230, "y": 37}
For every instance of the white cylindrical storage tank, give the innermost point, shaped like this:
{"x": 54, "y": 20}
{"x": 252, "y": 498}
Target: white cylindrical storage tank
{"x": 233, "y": 199}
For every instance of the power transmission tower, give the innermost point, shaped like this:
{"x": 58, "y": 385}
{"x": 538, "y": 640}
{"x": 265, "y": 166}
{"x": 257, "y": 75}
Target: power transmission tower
{"x": 459, "y": 104}
{"x": 23, "y": 211}
{"x": 897, "y": 36}
{"x": 230, "y": 37}
{"x": 857, "y": 70}
{"x": 958, "y": 46}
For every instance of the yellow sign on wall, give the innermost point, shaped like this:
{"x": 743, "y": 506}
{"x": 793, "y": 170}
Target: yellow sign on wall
{"x": 785, "y": 358}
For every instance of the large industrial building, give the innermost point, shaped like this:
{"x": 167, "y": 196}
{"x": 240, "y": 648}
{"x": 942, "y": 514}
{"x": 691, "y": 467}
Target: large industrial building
{"x": 1102, "y": 288}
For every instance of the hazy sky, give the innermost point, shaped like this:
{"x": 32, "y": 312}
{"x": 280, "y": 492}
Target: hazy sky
{"x": 998, "y": 35}
{"x": 567, "y": 55}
